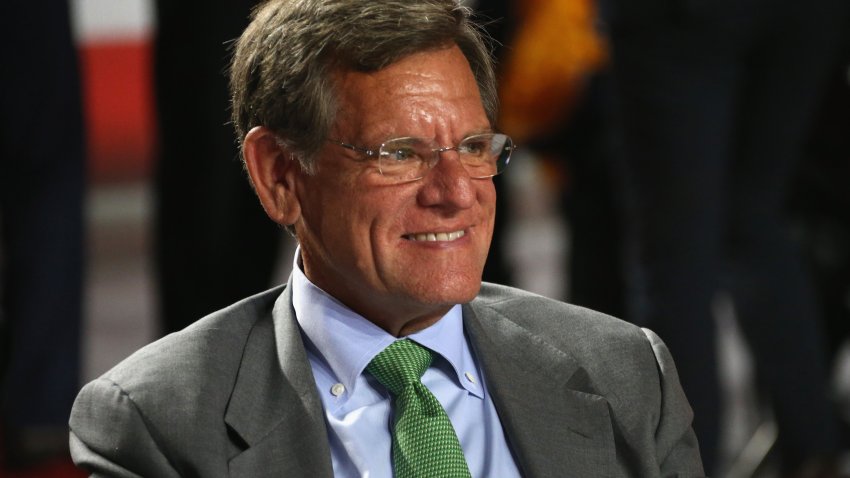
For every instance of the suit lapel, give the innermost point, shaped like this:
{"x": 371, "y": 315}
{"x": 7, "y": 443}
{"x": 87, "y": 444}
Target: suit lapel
{"x": 275, "y": 412}
{"x": 555, "y": 422}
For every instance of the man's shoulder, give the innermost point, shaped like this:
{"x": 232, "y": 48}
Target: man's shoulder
{"x": 200, "y": 360}
{"x": 165, "y": 405}
{"x": 616, "y": 357}
{"x": 596, "y": 355}
{"x": 551, "y": 317}
{"x": 600, "y": 343}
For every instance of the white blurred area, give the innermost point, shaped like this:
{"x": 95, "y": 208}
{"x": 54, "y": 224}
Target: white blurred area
{"x": 111, "y": 20}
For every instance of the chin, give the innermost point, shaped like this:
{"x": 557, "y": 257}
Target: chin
{"x": 449, "y": 292}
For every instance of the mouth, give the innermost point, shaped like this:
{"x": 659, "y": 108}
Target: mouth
{"x": 435, "y": 236}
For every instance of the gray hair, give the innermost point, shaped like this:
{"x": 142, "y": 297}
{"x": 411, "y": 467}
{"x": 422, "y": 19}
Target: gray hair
{"x": 281, "y": 74}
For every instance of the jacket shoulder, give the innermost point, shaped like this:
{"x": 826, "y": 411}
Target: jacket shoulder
{"x": 171, "y": 388}
{"x": 201, "y": 356}
{"x": 628, "y": 366}
{"x": 555, "y": 319}
{"x": 615, "y": 356}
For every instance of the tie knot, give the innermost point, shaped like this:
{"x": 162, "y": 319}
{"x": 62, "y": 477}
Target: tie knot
{"x": 400, "y": 365}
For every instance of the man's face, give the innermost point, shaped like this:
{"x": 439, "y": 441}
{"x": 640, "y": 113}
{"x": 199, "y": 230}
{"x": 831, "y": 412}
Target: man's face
{"x": 361, "y": 235}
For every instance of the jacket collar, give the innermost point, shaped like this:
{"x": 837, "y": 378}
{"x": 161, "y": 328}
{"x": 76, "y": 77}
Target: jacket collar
{"x": 275, "y": 410}
{"x": 552, "y": 415}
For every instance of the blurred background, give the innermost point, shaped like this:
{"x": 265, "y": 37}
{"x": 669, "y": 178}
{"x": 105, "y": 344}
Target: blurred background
{"x": 682, "y": 165}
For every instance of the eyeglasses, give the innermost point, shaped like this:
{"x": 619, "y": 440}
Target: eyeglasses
{"x": 408, "y": 159}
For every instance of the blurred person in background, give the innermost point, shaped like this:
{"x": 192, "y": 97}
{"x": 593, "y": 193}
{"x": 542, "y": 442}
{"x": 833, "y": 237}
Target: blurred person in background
{"x": 41, "y": 225}
{"x": 821, "y": 209}
{"x": 715, "y": 100}
{"x": 556, "y": 94}
{"x": 213, "y": 245}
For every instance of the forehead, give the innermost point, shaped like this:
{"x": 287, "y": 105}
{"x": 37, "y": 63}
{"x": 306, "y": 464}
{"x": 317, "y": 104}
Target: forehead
{"x": 425, "y": 91}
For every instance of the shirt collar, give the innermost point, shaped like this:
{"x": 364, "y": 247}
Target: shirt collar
{"x": 347, "y": 341}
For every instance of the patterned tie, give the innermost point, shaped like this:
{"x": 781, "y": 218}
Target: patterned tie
{"x": 424, "y": 442}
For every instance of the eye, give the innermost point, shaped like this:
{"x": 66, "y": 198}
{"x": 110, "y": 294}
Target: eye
{"x": 399, "y": 154}
{"x": 404, "y": 150}
{"x": 474, "y": 146}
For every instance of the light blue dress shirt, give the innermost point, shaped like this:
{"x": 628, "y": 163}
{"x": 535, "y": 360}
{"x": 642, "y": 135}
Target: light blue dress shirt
{"x": 340, "y": 343}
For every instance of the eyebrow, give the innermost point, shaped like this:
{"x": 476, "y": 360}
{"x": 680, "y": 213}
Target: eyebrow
{"x": 485, "y": 130}
{"x": 390, "y": 136}
{"x": 474, "y": 132}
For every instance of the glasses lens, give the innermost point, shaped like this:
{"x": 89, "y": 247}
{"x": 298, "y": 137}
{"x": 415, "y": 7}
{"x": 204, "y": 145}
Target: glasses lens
{"x": 485, "y": 155}
{"x": 404, "y": 158}
{"x": 482, "y": 155}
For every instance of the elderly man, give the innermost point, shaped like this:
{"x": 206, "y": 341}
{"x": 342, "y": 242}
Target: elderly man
{"x": 367, "y": 130}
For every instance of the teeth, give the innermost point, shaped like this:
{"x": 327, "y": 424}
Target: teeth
{"x": 437, "y": 237}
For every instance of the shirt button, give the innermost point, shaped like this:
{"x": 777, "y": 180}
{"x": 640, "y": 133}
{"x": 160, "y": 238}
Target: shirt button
{"x": 469, "y": 377}
{"x": 338, "y": 389}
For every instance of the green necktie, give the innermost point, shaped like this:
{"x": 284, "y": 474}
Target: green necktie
{"x": 424, "y": 442}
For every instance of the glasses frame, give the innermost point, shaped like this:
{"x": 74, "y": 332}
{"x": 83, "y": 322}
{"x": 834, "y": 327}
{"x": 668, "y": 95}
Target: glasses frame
{"x": 375, "y": 154}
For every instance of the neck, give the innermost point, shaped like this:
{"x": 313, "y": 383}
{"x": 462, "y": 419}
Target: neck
{"x": 401, "y": 321}
{"x": 403, "y": 329}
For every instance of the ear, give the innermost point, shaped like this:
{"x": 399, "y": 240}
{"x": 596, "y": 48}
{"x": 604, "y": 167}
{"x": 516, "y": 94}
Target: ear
{"x": 273, "y": 170}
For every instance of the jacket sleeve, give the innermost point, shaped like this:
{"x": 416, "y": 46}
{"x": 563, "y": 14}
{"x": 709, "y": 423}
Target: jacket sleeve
{"x": 677, "y": 450}
{"x": 110, "y": 438}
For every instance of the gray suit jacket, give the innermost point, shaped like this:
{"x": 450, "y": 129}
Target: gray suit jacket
{"x": 579, "y": 394}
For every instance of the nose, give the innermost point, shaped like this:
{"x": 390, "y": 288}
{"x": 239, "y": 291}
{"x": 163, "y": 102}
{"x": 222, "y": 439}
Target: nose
{"x": 447, "y": 184}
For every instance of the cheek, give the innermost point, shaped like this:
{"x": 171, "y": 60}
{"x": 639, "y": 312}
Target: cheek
{"x": 487, "y": 202}
{"x": 374, "y": 220}
{"x": 326, "y": 212}
{"x": 487, "y": 198}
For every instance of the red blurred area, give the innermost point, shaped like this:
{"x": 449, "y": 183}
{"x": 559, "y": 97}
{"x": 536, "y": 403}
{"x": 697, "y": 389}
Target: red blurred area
{"x": 119, "y": 109}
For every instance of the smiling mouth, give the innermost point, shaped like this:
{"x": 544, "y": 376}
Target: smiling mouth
{"x": 436, "y": 236}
